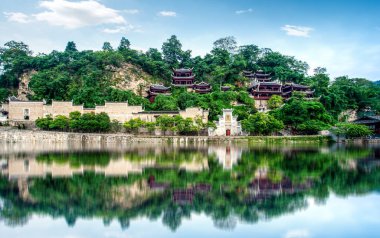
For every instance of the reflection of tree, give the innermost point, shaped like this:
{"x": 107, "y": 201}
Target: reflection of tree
{"x": 230, "y": 200}
{"x": 227, "y": 223}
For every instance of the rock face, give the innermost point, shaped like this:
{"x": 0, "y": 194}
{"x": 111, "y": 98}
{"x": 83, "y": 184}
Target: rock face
{"x": 131, "y": 77}
{"x": 23, "y": 88}
{"x": 348, "y": 115}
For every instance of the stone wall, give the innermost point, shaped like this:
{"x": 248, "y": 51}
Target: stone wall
{"x": 37, "y": 136}
{"x": 116, "y": 111}
{"x": 17, "y": 110}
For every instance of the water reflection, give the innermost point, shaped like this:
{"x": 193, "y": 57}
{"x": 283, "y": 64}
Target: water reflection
{"x": 228, "y": 183}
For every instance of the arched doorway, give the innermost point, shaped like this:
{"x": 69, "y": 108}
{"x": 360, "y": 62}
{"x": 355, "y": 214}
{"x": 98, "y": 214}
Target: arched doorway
{"x": 228, "y": 132}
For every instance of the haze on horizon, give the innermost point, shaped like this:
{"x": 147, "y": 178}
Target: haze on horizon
{"x": 342, "y": 36}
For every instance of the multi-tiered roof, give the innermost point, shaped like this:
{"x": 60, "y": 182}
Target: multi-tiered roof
{"x": 262, "y": 88}
{"x": 202, "y": 87}
{"x": 157, "y": 89}
{"x": 183, "y": 77}
{"x": 258, "y": 76}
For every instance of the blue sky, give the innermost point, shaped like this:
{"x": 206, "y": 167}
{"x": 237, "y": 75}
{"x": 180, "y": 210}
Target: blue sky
{"x": 341, "y": 35}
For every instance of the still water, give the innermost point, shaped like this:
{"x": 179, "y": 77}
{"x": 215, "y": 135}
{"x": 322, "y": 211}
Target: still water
{"x": 77, "y": 190}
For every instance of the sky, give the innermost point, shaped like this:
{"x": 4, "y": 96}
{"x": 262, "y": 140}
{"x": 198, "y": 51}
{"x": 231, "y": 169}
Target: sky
{"x": 350, "y": 217}
{"x": 340, "y": 35}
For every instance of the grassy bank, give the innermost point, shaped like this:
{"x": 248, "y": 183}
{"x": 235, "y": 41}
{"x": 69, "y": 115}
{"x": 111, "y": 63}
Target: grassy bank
{"x": 289, "y": 139}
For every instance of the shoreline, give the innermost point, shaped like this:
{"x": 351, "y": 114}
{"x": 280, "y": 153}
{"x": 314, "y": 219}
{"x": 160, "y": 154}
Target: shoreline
{"x": 33, "y": 136}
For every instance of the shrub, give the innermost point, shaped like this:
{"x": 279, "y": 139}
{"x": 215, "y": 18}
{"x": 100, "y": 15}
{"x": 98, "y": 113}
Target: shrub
{"x": 312, "y": 127}
{"x": 352, "y": 130}
{"x": 262, "y": 124}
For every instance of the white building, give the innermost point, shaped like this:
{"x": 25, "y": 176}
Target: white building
{"x": 227, "y": 125}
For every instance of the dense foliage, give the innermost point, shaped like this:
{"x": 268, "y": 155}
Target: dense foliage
{"x": 184, "y": 126}
{"x": 261, "y": 124}
{"x": 352, "y": 130}
{"x": 303, "y": 115}
{"x": 87, "y": 122}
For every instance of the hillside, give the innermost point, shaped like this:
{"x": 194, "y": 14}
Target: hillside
{"x": 123, "y": 74}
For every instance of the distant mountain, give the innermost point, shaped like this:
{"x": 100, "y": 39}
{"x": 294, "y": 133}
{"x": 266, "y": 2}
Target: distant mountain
{"x": 377, "y": 82}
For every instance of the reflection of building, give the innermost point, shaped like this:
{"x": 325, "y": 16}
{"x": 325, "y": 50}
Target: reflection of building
{"x": 227, "y": 125}
{"x": 227, "y": 156}
{"x": 30, "y": 167}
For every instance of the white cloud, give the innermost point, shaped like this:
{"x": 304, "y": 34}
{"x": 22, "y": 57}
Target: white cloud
{"x": 249, "y": 10}
{"x": 167, "y": 14}
{"x": 297, "y": 234}
{"x": 122, "y": 29}
{"x": 72, "y": 15}
{"x": 301, "y": 31}
{"x": 18, "y": 17}
{"x": 132, "y": 11}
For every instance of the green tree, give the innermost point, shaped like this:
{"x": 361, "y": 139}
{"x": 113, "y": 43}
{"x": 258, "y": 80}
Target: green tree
{"x": 275, "y": 102}
{"x": 124, "y": 44}
{"x": 134, "y": 125}
{"x": 107, "y": 46}
{"x": 172, "y": 51}
{"x": 59, "y": 123}
{"x": 71, "y": 47}
{"x": 228, "y": 44}
{"x": 352, "y": 130}
{"x": 261, "y": 124}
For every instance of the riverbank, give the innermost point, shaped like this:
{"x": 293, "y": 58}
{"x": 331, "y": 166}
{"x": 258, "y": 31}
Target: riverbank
{"x": 33, "y": 136}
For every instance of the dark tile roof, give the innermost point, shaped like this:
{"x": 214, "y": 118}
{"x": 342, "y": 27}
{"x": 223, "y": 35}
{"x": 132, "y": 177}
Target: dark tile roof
{"x": 159, "y": 86}
{"x": 14, "y": 99}
{"x": 368, "y": 119}
{"x": 183, "y": 70}
{"x": 202, "y": 84}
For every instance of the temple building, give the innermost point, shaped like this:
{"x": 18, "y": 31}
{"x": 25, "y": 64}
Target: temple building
{"x": 289, "y": 88}
{"x": 202, "y": 88}
{"x": 263, "y": 88}
{"x": 262, "y": 91}
{"x": 373, "y": 123}
{"x": 227, "y": 125}
{"x": 225, "y": 88}
{"x": 258, "y": 76}
{"x": 183, "y": 77}
{"x": 157, "y": 89}
{"x": 248, "y": 74}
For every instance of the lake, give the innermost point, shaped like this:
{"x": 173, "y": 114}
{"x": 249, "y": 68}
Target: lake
{"x": 224, "y": 190}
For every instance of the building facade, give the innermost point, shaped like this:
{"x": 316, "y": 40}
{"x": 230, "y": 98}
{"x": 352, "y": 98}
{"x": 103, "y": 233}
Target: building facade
{"x": 29, "y": 111}
{"x": 373, "y": 123}
{"x": 157, "y": 89}
{"x": 262, "y": 88}
{"x": 202, "y": 88}
{"x": 227, "y": 125}
{"x": 183, "y": 77}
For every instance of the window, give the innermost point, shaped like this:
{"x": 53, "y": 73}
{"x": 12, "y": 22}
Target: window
{"x": 26, "y": 165}
{"x": 228, "y": 118}
{"x": 26, "y": 114}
